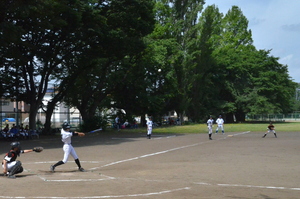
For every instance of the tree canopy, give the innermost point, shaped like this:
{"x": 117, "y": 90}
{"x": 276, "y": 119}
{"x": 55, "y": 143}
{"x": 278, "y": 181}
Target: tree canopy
{"x": 145, "y": 57}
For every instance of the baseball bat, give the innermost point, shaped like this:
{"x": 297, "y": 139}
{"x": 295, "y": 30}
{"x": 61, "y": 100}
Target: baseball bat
{"x": 94, "y": 131}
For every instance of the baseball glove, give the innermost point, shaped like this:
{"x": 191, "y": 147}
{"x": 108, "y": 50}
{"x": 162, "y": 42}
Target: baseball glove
{"x": 38, "y": 149}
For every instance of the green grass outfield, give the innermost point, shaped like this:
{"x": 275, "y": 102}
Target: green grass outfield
{"x": 202, "y": 128}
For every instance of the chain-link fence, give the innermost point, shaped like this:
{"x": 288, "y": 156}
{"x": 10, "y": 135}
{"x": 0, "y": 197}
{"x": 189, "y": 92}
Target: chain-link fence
{"x": 290, "y": 117}
{"x": 57, "y": 119}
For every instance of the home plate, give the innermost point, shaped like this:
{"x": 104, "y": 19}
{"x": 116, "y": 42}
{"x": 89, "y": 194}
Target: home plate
{"x": 230, "y": 135}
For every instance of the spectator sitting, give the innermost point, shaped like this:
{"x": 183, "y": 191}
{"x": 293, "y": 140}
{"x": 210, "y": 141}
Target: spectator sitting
{"x": 33, "y": 134}
{"x": 14, "y": 132}
{"x": 135, "y": 124}
{"x": 24, "y": 132}
{"x": 5, "y": 131}
{"x": 126, "y": 124}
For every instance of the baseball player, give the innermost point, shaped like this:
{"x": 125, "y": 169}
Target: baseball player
{"x": 68, "y": 148}
{"x": 271, "y": 128}
{"x": 220, "y": 123}
{"x": 210, "y": 123}
{"x": 149, "y": 128}
{"x": 10, "y": 165}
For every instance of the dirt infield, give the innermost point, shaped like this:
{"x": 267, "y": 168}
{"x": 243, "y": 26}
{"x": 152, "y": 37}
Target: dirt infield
{"x": 235, "y": 165}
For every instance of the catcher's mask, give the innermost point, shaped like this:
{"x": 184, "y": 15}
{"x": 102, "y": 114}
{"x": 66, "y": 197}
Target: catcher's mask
{"x": 15, "y": 145}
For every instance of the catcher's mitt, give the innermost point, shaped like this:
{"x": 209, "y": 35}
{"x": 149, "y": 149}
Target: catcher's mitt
{"x": 38, "y": 149}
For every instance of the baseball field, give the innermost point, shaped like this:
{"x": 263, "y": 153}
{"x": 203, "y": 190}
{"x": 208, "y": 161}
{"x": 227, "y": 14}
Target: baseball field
{"x": 237, "y": 165}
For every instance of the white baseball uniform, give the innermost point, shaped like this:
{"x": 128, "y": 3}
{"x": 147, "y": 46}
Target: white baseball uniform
{"x": 68, "y": 148}
{"x": 149, "y": 127}
{"x": 220, "y": 123}
{"x": 209, "y": 125}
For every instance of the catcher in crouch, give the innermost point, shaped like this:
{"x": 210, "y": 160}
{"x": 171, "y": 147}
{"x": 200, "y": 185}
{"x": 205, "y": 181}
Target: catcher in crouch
{"x": 68, "y": 148}
{"x": 10, "y": 165}
{"x": 271, "y": 128}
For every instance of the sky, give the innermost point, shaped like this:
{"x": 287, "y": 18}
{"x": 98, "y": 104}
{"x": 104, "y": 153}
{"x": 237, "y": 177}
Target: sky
{"x": 275, "y": 26}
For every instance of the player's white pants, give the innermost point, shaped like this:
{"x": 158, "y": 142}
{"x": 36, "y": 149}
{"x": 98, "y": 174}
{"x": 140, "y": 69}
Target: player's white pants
{"x": 272, "y": 131}
{"x": 209, "y": 129}
{"x": 10, "y": 165}
{"x": 220, "y": 126}
{"x": 149, "y": 132}
{"x": 68, "y": 149}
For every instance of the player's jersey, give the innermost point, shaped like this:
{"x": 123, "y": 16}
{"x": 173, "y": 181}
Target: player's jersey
{"x": 210, "y": 122}
{"x": 149, "y": 124}
{"x": 271, "y": 127}
{"x": 11, "y": 156}
{"x": 66, "y": 136}
{"x": 220, "y": 121}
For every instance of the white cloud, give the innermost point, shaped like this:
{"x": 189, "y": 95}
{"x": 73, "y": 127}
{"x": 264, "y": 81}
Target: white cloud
{"x": 287, "y": 58}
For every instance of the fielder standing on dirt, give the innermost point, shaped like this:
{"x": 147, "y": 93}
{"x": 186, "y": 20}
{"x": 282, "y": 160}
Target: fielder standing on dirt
{"x": 149, "y": 127}
{"x": 66, "y": 136}
{"x": 220, "y": 124}
{"x": 210, "y": 123}
{"x": 271, "y": 128}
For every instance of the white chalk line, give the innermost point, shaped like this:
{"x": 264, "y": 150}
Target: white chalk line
{"x": 161, "y": 192}
{"x": 154, "y": 137}
{"x": 79, "y": 180}
{"x": 161, "y": 152}
{"x": 144, "y": 156}
{"x": 116, "y": 196}
{"x": 249, "y": 186}
{"x": 131, "y": 159}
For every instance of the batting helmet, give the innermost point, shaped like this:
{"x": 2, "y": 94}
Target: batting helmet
{"x": 66, "y": 125}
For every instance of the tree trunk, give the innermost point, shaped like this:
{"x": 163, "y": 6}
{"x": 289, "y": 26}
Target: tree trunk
{"x": 87, "y": 114}
{"x": 229, "y": 118}
{"x": 240, "y": 116}
{"x": 32, "y": 116}
{"x": 143, "y": 120}
{"x": 49, "y": 112}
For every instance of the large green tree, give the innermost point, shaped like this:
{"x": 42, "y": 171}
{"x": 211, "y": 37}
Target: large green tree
{"x": 248, "y": 74}
{"x": 203, "y": 74}
{"x": 272, "y": 90}
{"x": 113, "y": 57}
{"x": 183, "y": 16}
{"x": 39, "y": 37}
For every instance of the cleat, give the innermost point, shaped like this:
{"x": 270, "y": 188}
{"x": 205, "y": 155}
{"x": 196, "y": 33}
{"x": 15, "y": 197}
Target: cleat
{"x": 210, "y": 138}
{"x": 81, "y": 169}
{"x": 11, "y": 176}
{"x": 52, "y": 168}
